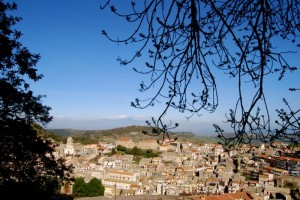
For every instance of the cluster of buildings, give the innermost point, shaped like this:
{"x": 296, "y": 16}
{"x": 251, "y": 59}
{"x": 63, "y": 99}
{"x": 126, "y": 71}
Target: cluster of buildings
{"x": 193, "y": 171}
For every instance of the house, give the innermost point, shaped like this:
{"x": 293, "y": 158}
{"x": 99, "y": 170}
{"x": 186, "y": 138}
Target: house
{"x": 111, "y": 190}
{"x": 278, "y": 145}
{"x": 126, "y": 158}
{"x": 107, "y": 162}
{"x": 234, "y": 186}
{"x": 138, "y": 189}
{"x": 267, "y": 159}
{"x": 264, "y": 180}
{"x": 218, "y": 149}
{"x": 121, "y": 179}
{"x": 274, "y": 170}
{"x": 256, "y": 193}
{"x": 278, "y": 193}
{"x": 122, "y": 175}
{"x": 156, "y": 160}
{"x": 103, "y": 150}
{"x": 98, "y": 173}
{"x": 144, "y": 174}
{"x": 89, "y": 151}
{"x": 227, "y": 196}
{"x": 192, "y": 153}
{"x": 186, "y": 146}
{"x": 166, "y": 147}
{"x": 148, "y": 144}
{"x": 145, "y": 162}
{"x": 171, "y": 190}
{"x": 293, "y": 165}
{"x": 190, "y": 163}
{"x": 170, "y": 157}
{"x": 169, "y": 169}
{"x": 125, "y": 142}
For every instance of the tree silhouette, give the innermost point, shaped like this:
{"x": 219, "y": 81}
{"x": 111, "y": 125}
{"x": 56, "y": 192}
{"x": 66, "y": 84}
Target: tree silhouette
{"x": 189, "y": 42}
{"x": 91, "y": 189}
{"x": 28, "y": 167}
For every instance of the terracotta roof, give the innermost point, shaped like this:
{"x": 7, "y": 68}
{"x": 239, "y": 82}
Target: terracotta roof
{"x": 134, "y": 186}
{"x": 289, "y": 158}
{"x": 121, "y": 172}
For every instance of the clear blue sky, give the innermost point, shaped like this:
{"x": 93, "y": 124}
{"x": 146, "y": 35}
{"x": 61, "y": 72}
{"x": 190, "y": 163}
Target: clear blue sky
{"x": 85, "y": 85}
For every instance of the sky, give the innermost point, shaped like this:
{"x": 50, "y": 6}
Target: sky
{"x": 83, "y": 82}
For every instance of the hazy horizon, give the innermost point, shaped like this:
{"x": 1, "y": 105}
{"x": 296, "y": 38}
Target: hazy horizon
{"x": 105, "y": 124}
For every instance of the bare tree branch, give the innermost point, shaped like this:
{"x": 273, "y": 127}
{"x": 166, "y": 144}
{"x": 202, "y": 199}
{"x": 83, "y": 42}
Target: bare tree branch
{"x": 188, "y": 41}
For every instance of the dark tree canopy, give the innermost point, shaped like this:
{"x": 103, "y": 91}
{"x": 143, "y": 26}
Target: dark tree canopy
{"x": 78, "y": 187}
{"x": 17, "y": 64}
{"x": 188, "y": 42}
{"x": 91, "y": 189}
{"x": 26, "y": 157}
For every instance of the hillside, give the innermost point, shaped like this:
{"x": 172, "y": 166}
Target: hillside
{"x": 133, "y": 132}
{"x": 47, "y": 133}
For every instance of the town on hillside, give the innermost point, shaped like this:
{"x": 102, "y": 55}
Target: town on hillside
{"x": 188, "y": 170}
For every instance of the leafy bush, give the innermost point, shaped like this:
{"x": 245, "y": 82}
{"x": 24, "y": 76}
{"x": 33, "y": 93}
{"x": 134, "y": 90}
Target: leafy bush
{"x": 91, "y": 189}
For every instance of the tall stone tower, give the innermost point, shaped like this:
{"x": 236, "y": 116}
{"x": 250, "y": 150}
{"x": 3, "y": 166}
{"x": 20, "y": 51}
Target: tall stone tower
{"x": 69, "y": 149}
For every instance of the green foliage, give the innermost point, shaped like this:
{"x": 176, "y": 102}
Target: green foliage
{"x": 18, "y": 65}
{"x": 137, "y": 151}
{"x": 137, "y": 159}
{"x": 46, "y": 133}
{"x": 28, "y": 168}
{"x": 121, "y": 148}
{"x": 93, "y": 188}
{"x": 150, "y": 153}
{"x": 78, "y": 187}
{"x": 84, "y": 140}
{"x": 113, "y": 151}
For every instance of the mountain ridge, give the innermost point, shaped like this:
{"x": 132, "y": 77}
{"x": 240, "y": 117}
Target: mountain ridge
{"x": 133, "y": 132}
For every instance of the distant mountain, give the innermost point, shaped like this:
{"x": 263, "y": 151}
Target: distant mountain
{"x": 64, "y": 132}
{"x": 133, "y": 132}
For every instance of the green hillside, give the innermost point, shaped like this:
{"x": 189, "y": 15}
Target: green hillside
{"x": 47, "y": 133}
{"x": 133, "y": 132}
